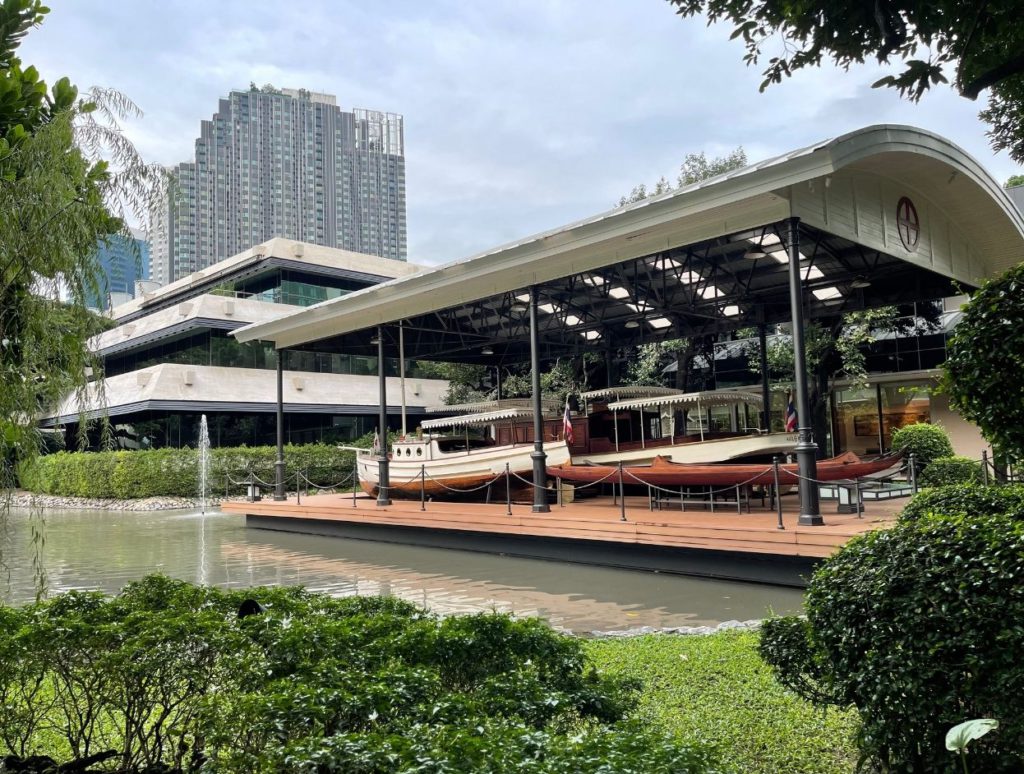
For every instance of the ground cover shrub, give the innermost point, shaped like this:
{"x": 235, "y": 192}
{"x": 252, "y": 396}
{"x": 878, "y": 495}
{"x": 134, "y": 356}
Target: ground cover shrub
{"x": 926, "y": 442}
{"x": 174, "y": 472}
{"x": 951, "y": 470}
{"x": 918, "y": 628}
{"x": 168, "y": 674}
{"x": 966, "y": 500}
{"x": 717, "y": 689}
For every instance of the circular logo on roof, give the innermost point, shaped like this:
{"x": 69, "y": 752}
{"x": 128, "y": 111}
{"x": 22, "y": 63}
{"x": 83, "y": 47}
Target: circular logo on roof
{"x": 907, "y": 223}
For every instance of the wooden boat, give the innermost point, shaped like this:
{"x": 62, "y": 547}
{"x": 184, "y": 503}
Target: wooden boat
{"x": 634, "y": 425}
{"x": 664, "y": 472}
{"x": 451, "y": 465}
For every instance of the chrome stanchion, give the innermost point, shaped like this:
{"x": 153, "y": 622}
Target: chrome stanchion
{"x": 508, "y": 491}
{"x": 355, "y": 479}
{"x": 558, "y": 492}
{"x": 423, "y": 487}
{"x": 622, "y": 496}
{"x": 778, "y": 498}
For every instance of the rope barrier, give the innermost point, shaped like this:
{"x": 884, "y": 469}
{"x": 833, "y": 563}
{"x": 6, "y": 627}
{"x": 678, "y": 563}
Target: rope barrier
{"x": 711, "y": 492}
{"x": 466, "y": 491}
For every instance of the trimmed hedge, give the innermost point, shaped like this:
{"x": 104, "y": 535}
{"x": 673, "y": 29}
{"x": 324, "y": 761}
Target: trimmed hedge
{"x": 918, "y": 627}
{"x": 966, "y": 500}
{"x": 926, "y": 442}
{"x": 951, "y": 470}
{"x": 175, "y": 472}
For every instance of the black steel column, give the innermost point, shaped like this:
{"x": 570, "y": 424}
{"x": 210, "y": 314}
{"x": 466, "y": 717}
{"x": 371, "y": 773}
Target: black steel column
{"x": 806, "y": 449}
{"x": 279, "y": 464}
{"x": 384, "y": 482}
{"x": 540, "y": 475}
{"x": 881, "y": 418}
{"x": 766, "y": 395}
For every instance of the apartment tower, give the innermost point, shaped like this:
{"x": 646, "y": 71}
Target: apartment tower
{"x": 284, "y": 163}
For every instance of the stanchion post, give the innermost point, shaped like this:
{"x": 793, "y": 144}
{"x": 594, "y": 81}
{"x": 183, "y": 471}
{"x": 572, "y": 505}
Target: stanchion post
{"x": 298, "y": 487}
{"x": 355, "y": 479}
{"x": 508, "y": 491}
{"x": 558, "y": 492}
{"x": 860, "y": 499}
{"x": 423, "y": 487}
{"x": 622, "y": 496}
{"x": 778, "y": 498}
{"x": 252, "y": 487}
{"x": 984, "y": 466}
{"x": 913, "y": 473}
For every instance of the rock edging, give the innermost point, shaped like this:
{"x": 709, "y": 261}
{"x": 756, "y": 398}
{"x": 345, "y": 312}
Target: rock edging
{"x": 31, "y": 500}
{"x": 732, "y": 625}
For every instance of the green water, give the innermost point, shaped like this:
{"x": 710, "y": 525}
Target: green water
{"x": 106, "y": 549}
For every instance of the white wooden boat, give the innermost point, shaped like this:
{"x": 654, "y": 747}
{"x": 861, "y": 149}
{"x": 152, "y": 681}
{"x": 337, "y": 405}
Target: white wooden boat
{"x": 657, "y": 435}
{"x": 438, "y": 464}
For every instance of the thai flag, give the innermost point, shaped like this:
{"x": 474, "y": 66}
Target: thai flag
{"x": 567, "y": 423}
{"x": 375, "y": 449}
{"x": 790, "y": 413}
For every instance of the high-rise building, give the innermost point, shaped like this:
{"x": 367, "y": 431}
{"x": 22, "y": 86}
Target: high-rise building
{"x": 284, "y": 163}
{"x": 123, "y": 261}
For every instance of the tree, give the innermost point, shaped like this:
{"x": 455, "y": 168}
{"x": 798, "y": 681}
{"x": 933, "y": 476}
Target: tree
{"x": 695, "y": 167}
{"x": 67, "y": 178}
{"x": 1013, "y": 181}
{"x": 649, "y": 361}
{"x": 979, "y": 45}
{"x": 984, "y": 368}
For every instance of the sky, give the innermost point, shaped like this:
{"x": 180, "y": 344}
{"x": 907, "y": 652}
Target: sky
{"x": 519, "y": 117}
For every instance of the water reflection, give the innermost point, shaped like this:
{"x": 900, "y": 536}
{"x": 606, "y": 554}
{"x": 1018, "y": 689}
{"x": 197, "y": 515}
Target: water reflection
{"x": 106, "y": 549}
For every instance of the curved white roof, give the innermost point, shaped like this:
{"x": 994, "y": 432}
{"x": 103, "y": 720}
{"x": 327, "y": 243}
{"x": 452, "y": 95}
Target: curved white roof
{"x": 848, "y": 186}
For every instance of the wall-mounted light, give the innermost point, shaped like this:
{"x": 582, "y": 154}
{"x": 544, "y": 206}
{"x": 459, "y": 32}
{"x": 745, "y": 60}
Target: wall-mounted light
{"x": 375, "y": 339}
{"x": 860, "y": 282}
{"x": 487, "y": 350}
{"x": 632, "y": 324}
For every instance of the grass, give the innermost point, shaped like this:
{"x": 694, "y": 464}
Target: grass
{"x": 716, "y": 689}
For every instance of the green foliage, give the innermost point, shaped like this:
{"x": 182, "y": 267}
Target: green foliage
{"x": 1013, "y": 181}
{"x": 979, "y": 43}
{"x": 175, "y": 472}
{"x": 966, "y": 500}
{"x": 984, "y": 368}
{"x": 695, "y": 167}
{"x": 926, "y": 442}
{"x": 951, "y": 470}
{"x": 917, "y": 626}
{"x": 166, "y": 673}
{"x": 717, "y": 690}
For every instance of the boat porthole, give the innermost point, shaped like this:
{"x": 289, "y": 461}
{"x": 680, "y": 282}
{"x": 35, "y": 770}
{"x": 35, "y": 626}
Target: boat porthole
{"x": 419, "y": 452}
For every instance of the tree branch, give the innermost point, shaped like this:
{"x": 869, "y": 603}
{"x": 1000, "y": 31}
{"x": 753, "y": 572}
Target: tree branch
{"x": 1010, "y": 67}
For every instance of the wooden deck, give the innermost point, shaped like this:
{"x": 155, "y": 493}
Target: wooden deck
{"x": 747, "y": 546}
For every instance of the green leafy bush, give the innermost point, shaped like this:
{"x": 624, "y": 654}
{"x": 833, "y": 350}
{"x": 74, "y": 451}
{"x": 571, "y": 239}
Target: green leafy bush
{"x": 175, "y": 473}
{"x": 168, "y": 675}
{"x": 966, "y": 500}
{"x": 926, "y": 442}
{"x": 918, "y": 627}
{"x": 951, "y": 470}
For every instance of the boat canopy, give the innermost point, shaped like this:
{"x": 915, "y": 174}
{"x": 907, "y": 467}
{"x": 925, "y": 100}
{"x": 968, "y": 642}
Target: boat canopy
{"x": 707, "y": 398}
{"x": 484, "y": 418}
{"x": 629, "y": 391}
{"x": 491, "y": 405}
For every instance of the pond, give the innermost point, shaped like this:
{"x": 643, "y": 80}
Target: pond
{"x": 103, "y": 550}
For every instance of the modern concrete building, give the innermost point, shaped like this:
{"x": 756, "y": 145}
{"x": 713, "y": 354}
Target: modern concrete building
{"x": 171, "y": 357}
{"x": 284, "y": 163}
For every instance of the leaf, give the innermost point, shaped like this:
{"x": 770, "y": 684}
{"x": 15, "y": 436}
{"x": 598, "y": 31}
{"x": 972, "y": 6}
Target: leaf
{"x": 962, "y": 734}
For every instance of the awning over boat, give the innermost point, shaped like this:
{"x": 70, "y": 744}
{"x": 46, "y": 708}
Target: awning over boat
{"x": 629, "y": 391}
{"x": 491, "y": 405}
{"x": 708, "y": 398}
{"x": 484, "y": 418}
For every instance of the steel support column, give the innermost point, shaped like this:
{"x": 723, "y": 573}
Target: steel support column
{"x": 766, "y": 395}
{"x": 540, "y": 476}
{"x": 382, "y": 424}
{"x": 806, "y": 449}
{"x": 279, "y": 463}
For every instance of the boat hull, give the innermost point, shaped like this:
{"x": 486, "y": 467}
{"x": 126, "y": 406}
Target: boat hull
{"x": 662, "y": 472}
{"x": 695, "y": 451}
{"x": 457, "y": 474}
